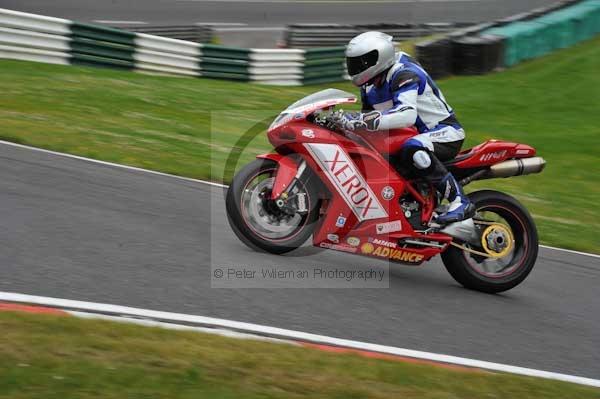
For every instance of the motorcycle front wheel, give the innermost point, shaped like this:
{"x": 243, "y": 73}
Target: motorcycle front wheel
{"x": 261, "y": 223}
{"x": 506, "y": 250}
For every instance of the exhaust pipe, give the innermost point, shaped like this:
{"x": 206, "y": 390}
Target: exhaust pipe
{"x": 516, "y": 167}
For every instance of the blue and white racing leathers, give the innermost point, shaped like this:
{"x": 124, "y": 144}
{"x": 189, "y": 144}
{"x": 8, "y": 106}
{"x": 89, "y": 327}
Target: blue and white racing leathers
{"x": 408, "y": 96}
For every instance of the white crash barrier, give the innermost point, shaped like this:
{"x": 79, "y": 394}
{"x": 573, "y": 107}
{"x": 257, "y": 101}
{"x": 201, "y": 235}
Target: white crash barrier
{"x": 281, "y": 67}
{"x": 30, "y": 54}
{"x": 167, "y": 45}
{"x": 164, "y": 70}
{"x": 275, "y": 71}
{"x": 169, "y": 60}
{"x": 282, "y": 55}
{"x": 39, "y": 38}
{"x": 42, "y": 41}
{"x": 33, "y": 22}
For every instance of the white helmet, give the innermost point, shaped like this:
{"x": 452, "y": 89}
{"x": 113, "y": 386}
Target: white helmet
{"x": 368, "y": 55}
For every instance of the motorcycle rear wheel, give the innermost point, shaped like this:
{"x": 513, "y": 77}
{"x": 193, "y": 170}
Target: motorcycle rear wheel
{"x": 510, "y": 267}
{"x": 257, "y": 222}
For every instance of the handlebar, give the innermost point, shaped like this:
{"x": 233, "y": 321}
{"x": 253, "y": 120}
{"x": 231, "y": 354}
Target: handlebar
{"x": 331, "y": 121}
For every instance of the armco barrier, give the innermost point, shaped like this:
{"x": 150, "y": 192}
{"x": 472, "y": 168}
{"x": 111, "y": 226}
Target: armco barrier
{"x": 471, "y": 50}
{"x": 277, "y": 66}
{"x": 319, "y": 35}
{"x": 34, "y": 23}
{"x": 164, "y": 55}
{"x": 234, "y": 53}
{"x": 324, "y": 65}
{"x": 101, "y": 46}
{"x": 32, "y": 54}
{"x": 37, "y": 38}
{"x": 43, "y": 41}
{"x": 190, "y": 33}
{"x": 34, "y": 37}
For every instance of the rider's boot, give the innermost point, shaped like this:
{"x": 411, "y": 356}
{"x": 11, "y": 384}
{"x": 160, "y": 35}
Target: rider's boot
{"x": 460, "y": 207}
{"x": 435, "y": 172}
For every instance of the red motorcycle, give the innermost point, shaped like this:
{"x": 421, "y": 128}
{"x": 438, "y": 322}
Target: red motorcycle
{"x": 341, "y": 188}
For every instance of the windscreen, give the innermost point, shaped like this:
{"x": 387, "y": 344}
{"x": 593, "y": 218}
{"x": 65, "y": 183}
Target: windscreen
{"x": 327, "y": 94}
{"x": 306, "y": 102}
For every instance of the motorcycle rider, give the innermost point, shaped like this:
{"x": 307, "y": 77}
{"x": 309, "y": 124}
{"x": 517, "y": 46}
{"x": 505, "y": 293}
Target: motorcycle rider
{"x": 396, "y": 92}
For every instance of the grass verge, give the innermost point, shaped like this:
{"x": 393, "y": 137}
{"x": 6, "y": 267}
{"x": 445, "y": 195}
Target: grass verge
{"x": 184, "y": 126}
{"x": 49, "y": 356}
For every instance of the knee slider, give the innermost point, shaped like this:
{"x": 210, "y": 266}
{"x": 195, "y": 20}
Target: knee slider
{"x": 421, "y": 159}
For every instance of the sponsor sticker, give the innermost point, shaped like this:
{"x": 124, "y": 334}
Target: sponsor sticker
{"x": 390, "y": 253}
{"x": 338, "y": 247}
{"x": 367, "y": 248}
{"x": 333, "y": 238}
{"x": 388, "y": 227}
{"x": 397, "y": 254}
{"x": 340, "y": 222}
{"x": 387, "y": 193}
{"x": 490, "y": 156}
{"x": 308, "y": 133}
{"x": 354, "y": 241}
{"x": 348, "y": 181}
{"x": 384, "y": 243}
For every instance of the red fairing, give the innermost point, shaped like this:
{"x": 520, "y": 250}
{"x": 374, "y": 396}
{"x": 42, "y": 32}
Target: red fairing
{"x": 361, "y": 211}
{"x": 389, "y": 142}
{"x": 492, "y": 152}
{"x": 355, "y": 175}
{"x": 286, "y": 172}
{"x": 272, "y": 156}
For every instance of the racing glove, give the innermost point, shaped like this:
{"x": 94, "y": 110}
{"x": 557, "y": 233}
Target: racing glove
{"x": 353, "y": 121}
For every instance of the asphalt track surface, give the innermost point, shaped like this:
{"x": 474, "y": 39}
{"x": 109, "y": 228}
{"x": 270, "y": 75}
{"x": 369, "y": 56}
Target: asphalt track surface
{"x": 266, "y": 13}
{"x": 78, "y": 230}
{"x": 261, "y": 23}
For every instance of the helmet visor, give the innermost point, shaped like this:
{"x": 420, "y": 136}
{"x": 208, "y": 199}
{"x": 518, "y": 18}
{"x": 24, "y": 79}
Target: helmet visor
{"x": 361, "y": 63}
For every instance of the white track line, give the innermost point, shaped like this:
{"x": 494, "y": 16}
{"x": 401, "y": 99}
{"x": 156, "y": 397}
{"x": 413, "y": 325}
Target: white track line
{"x": 179, "y": 327}
{"x": 340, "y": 2}
{"x": 221, "y": 24}
{"x": 570, "y": 251}
{"x": 108, "y": 21}
{"x": 274, "y": 332}
{"x": 251, "y": 29}
{"x": 117, "y": 165}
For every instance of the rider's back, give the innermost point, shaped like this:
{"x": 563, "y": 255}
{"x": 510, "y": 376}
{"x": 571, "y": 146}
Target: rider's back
{"x": 408, "y": 84}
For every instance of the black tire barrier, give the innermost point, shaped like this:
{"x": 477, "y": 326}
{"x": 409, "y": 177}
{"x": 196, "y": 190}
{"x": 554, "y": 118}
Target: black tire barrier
{"x": 476, "y": 55}
{"x": 480, "y": 49}
{"x": 436, "y": 57}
